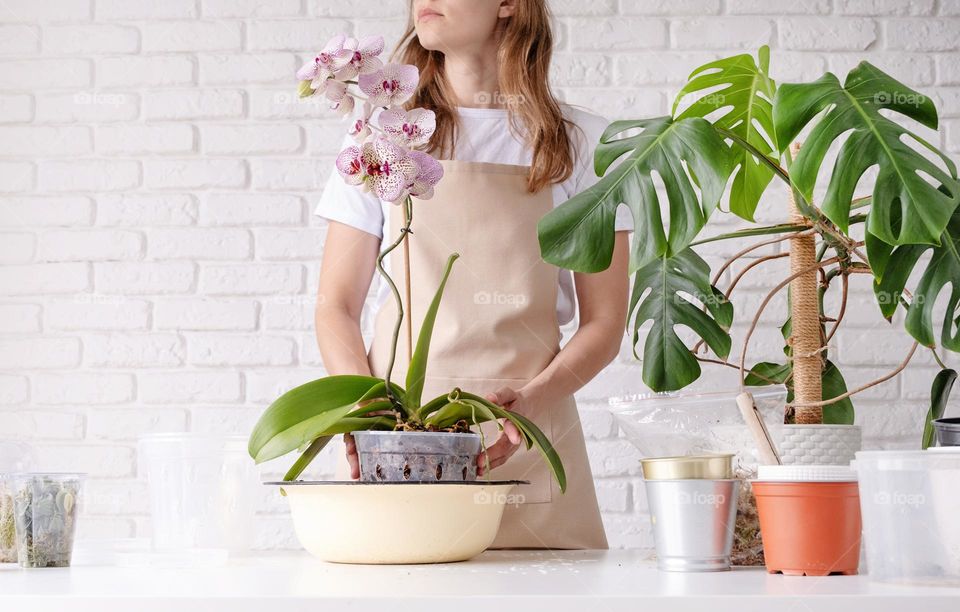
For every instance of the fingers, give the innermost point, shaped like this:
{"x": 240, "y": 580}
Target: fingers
{"x": 502, "y": 396}
{"x": 496, "y": 455}
{"x": 512, "y": 433}
{"x": 352, "y": 459}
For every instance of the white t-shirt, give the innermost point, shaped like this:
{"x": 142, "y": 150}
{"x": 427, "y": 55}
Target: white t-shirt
{"x": 484, "y": 137}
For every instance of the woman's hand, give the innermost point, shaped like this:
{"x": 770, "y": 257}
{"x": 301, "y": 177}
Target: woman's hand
{"x": 352, "y": 458}
{"x": 523, "y": 401}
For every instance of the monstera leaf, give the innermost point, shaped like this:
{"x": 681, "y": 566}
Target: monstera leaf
{"x": 662, "y": 292}
{"x": 906, "y": 179}
{"x": 892, "y": 267}
{"x": 579, "y": 234}
{"x": 742, "y": 91}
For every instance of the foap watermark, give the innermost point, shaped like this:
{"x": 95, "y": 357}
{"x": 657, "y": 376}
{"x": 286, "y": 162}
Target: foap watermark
{"x": 98, "y": 98}
{"x": 699, "y": 498}
{"x": 495, "y": 298}
{"x": 483, "y": 498}
{"x": 899, "y": 98}
{"x": 99, "y": 298}
{"x": 899, "y": 498}
{"x": 497, "y": 98}
{"x": 283, "y": 98}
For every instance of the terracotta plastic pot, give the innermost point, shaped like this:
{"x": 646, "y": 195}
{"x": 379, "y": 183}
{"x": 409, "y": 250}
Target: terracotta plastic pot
{"x": 809, "y": 528}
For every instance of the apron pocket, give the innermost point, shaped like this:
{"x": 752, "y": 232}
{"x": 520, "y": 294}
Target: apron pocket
{"x": 527, "y": 465}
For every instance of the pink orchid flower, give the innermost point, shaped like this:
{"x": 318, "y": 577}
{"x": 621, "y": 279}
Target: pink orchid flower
{"x": 361, "y": 127}
{"x": 379, "y": 165}
{"x": 350, "y": 166}
{"x": 340, "y": 100}
{"x": 326, "y": 63}
{"x": 429, "y": 173}
{"x": 408, "y": 128}
{"x": 390, "y": 86}
{"x": 363, "y": 57}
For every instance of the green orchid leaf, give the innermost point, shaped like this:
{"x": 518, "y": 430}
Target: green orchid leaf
{"x": 906, "y": 179}
{"x": 344, "y": 425}
{"x": 418, "y": 363}
{"x": 304, "y": 413}
{"x": 532, "y": 435}
{"x": 892, "y": 268}
{"x": 306, "y": 457}
{"x": 579, "y": 234}
{"x": 736, "y": 93}
{"x": 939, "y": 395}
{"x": 660, "y": 294}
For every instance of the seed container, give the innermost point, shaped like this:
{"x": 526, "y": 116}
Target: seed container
{"x": 412, "y": 456}
{"x": 45, "y": 517}
{"x": 8, "y": 532}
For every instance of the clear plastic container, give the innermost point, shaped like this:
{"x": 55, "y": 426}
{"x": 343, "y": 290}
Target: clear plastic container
{"x": 202, "y": 492}
{"x": 909, "y": 502}
{"x": 15, "y": 457}
{"x": 45, "y": 517}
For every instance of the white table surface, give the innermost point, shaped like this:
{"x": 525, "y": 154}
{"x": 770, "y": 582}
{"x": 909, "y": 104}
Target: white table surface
{"x": 594, "y": 581}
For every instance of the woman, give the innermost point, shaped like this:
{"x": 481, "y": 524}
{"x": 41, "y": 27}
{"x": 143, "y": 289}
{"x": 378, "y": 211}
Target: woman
{"x": 510, "y": 152}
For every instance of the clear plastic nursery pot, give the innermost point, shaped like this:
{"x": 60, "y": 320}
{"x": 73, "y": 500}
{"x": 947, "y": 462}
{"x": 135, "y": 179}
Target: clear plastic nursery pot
{"x": 45, "y": 517}
{"x": 15, "y": 457}
{"x": 910, "y": 502}
{"x": 809, "y": 519}
{"x": 8, "y": 531}
{"x": 202, "y": 491}
{"x": 414, "y": 456}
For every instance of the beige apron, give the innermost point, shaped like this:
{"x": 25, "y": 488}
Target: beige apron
{"x": 496, "y": 327}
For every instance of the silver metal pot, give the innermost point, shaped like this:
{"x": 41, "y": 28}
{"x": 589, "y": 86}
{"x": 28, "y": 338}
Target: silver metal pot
{"x": 413, "y": 456}
{"x": 693, "y": 523}
{"x": 948, "y": 431}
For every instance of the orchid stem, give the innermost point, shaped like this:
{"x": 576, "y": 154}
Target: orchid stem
{"x": 408, "y": 217}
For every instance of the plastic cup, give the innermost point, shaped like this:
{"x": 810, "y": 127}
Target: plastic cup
{"x": 909, "y": 501}
{"x": 45, "y": 517}
{"x": 202, "y": 492}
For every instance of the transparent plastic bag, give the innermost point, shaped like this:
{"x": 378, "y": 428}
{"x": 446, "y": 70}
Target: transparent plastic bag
{"x": 679, "y": 423}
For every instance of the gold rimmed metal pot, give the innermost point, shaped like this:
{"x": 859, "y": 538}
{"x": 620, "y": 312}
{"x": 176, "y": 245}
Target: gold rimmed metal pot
{"x": 699, "y": 467}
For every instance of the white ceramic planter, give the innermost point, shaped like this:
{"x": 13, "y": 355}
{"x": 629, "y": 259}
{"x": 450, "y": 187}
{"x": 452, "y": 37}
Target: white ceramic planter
{"x": 817, "y": 444}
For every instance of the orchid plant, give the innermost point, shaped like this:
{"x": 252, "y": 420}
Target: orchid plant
{"x": 387, "y": 159}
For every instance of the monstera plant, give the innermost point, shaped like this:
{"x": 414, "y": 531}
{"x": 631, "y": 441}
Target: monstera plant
{"x": 732, "y": 125}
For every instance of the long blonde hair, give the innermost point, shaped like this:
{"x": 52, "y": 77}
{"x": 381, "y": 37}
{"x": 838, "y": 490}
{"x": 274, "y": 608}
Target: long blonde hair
{"x": 526, "y": 46}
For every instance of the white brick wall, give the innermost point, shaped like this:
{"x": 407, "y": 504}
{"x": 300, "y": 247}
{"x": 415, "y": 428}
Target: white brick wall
{"x": 157, "y": 255}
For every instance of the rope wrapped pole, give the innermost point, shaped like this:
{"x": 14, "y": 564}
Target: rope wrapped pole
{"x": 805, "y": 336}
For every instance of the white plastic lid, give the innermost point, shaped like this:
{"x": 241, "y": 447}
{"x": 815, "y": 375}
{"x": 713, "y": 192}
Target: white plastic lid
{"x": 806, "y": 473}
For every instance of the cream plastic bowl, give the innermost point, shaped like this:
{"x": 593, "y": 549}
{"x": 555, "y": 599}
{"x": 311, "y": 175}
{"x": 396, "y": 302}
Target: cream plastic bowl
{"x": 386, "y": 523}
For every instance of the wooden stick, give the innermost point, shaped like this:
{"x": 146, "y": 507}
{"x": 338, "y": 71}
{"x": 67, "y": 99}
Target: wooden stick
{"x": 406, "y": 282}
{"x": 758, "y": 430}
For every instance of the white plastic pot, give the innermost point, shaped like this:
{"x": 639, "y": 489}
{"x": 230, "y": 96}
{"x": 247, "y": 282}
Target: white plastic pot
{"x": 396, "y": 523}
{"x": 909, "y": 502}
